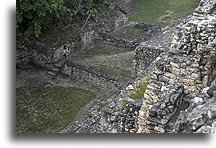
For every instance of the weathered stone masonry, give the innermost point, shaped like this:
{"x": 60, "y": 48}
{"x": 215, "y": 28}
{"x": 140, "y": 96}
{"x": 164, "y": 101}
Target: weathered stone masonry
{"x": 199, "y": 117}
{"x": 148, "y": 31}
{"x": 180, "y": 74}
{"x": 187, "y": 68}
{"x": 82, "y": 73}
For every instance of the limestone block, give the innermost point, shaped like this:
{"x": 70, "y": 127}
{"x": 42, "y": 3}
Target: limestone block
{"x": 172, "y": 81}
{"x": 205, "y": 80}
{"x": 159, "y": 129}
{"x": 163, "y": 78}
{"x": 205, "y": 129}
{"x": 152, "y": 95}
{"x": 153, "y": 76}
{"x": 164, "y": 88}
{"x": 176, "y": 65}
{"x": 170, "y": 75}
{"x": 175, "y": 71}
{"x": 195, "y": 64}
{"x": 195, "y": 75}
{"x": 193, "y": 90}
{"x": 153, "y": 86}
{"x": 198, "y": 100}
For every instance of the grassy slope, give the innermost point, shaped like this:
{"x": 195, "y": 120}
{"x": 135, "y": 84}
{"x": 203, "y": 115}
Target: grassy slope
{"x": 116, "y": 71}
{"x": 128, "y": 33}
{"x": 151, "y": 10}
{"x": 48, "y": 110}
{"x": 100, "y": 50}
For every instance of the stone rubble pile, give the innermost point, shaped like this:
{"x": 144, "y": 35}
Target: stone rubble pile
{"x": 163, "y": 110}
{"x": 111, "y": 116}
{"x": 200, "y": 115}
{"x": 128, "y": 117}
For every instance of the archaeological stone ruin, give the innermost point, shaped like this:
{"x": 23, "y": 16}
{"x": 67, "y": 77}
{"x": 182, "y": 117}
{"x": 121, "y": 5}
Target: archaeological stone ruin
{"x": 173, "y": 69}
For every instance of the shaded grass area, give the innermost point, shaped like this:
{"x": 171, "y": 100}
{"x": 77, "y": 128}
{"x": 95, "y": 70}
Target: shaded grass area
{"x": 128, "y": 62}
{"x": 49, "y": 109}
{"x": 101, "y": 50}
{"x": 128, "y": 33}
{"x": 162, "y": 12}
{"x": 121, "y": 73}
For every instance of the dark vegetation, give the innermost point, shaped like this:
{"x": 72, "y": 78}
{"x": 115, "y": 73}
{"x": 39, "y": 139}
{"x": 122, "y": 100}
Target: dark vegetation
{"x": 33, "y": 17}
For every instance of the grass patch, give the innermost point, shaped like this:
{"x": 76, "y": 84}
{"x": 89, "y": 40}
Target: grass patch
{"x": 151, "y": 11}
{"x": 48, "y": 110}
{"x": 140, "y": 90}
{"x": 100, "y": 50}
{"x": 128, "y": 62}
{"x": 114, "y": 71}
{"x": 128, "y": 33}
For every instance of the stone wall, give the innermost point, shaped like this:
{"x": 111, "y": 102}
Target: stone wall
{"x": 81, "y": 73}
{"x": 149, "y": 31}
{"x": 143, "y": 58}
{"x": 200, "y": 115}
{"x": 23, "y": 56}
{"x": 186, "y": 69}
{"x": 28, "y": 53}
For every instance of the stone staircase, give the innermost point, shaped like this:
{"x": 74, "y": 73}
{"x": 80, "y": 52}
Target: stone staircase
{"x": 55, "y": 68}
{"x": 124, "y": 7}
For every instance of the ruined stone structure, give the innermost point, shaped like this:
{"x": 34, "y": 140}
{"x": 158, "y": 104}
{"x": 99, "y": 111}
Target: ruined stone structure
{"x": 82, "y": 73}
{"x": 186, "y": 68}
{"x": 199, "y": 117}
{"x": 178, "y": 68}
{"x": 148, "y": 31}
{"x": 179, "y": 72}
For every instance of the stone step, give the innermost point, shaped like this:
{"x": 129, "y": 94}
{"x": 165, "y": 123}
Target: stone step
{"x": 52, "y": 73}
{"x": 125, "y": 7}
{"x": 55, "y": 69}
{"x": 130, "y": 11}
{"x": 59, "y": 65}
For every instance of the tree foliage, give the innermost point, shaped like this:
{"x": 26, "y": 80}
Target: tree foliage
{"x": 34, "y": 15}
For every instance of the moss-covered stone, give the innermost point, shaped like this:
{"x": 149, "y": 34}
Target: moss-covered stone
{"x": 139, "y": 91}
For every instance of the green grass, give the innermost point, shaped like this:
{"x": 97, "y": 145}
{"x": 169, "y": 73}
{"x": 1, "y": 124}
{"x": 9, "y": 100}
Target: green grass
{"x": 122, "y": 74}
{"x": 140, "y": 90}
{"x": 128, "y": 62}
{"x": 48, "y": 110}
{"x": 100, "y": 50}
{"x": 128, "y": 33}
{"x": 151, "y": 10}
